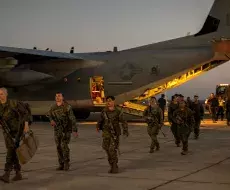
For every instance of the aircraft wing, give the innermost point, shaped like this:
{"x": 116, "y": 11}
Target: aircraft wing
{"x": 14, "y": 61}
{"x": 33, "y": 55}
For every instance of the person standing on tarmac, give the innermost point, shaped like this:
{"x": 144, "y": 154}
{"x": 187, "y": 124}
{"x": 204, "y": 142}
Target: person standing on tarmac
{"x": 172, "y": 107}
{"x": 154, "y": 118}
{"x": 198, "y": 111}
{"x": 162, "y": 104}
{"x": 16, "y": 123}
{"x": 213, "y": 107}
{"x": 109, "y": 122}
{"x": 63, "y": 121}
{"x": 220, "y": 111}
{"x": 184, "y": 120}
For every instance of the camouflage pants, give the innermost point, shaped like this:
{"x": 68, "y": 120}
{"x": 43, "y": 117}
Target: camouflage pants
{"x": 153, "y": 131}
{"x": 197, "y": 127}
{"x": 12, "y": 161}
{"x": 175, "y": 133}
{"x": 62, "y": 141}
{"x": 184, "y": 133}
{"x": 111, "y": 145}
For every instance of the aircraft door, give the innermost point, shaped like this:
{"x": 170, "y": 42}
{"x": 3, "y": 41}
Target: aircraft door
{"x": 97, "y": 90}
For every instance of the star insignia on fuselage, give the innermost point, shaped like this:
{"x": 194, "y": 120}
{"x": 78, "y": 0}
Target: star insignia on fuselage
{"x": 129, "y": 70}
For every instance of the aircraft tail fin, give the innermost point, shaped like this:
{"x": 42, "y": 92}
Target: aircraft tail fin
{"x": 218, "y": 20}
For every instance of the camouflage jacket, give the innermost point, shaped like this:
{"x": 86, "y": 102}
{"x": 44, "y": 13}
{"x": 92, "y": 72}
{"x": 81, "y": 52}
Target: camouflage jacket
{"x": 184, "y": 118}
{"x": 64, "y": 118}
{"x": 198, "y": 110}
{"x": 14, "y": 114}
{"x": 156, "y": 115}
{"x": 172, "y": 107}
{"x": 109, "y": 122}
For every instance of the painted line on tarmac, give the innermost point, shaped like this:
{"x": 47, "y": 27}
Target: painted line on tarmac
{"x": 191, "y": 173}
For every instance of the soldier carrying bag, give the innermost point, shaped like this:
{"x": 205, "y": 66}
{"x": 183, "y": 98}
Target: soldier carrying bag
{"x": 28, "y": 143}
{"x": 28, "y": 147}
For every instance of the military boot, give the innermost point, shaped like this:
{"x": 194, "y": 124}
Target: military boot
{"x": 60, "y": 167}
{"x": 110, "y": 170}
{"x": 196, "y": 136}
{"x": 177, "y": 142}
{"x": 18, "y": 176}
{"x": 114, "y": 168}
{"x": 66, "y": 166}
{"x": 5, "y": 177}
{"x": 151, "y": 150}
{"x": 157, "y": 147}
{"x": 184, "y": 152}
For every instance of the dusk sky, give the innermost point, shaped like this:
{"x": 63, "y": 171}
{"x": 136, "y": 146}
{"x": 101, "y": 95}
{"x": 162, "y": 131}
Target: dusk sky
{"x": 98, "y": 25}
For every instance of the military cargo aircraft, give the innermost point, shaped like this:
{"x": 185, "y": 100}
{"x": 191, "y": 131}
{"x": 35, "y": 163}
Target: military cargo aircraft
{"x": 86, "y": 78}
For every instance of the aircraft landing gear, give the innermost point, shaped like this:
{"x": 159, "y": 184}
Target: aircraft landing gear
{"x": 81, "y": 114}
{"x": 40, "y": 118}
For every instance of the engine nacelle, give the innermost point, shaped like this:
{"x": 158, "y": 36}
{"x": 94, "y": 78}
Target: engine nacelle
{"x": 7, "y": 64}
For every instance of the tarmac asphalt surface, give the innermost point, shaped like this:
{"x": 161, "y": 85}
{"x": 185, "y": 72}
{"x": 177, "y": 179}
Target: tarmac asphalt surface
{"x": 207, "y": 166}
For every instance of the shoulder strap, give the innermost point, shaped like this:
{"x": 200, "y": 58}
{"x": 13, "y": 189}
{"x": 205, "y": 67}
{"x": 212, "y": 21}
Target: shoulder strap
{"x": 119, "y": 111}
{"x": 106, "y": 116}
{"x": 149, "y": 109}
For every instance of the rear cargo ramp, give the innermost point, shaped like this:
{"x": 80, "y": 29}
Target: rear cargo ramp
{"x": 222, "y": 54}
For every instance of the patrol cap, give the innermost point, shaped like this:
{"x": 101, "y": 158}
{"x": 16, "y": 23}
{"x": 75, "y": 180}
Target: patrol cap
{"x": 110, "y": 98}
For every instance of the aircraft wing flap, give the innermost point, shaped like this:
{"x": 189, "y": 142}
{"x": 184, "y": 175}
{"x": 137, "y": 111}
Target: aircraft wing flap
{"x": 35, "y": 54}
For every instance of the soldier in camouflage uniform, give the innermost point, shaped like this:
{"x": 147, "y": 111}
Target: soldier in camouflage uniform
{"x": 172, "y": 107}
{"x": 198, "y": 112}
{"x": 154, "y": 118}
{"x": 109, "y": 121}
{"x": 15, "y": 122}
{"x": 64, "y": 122}
{"x": 184, "y": 119}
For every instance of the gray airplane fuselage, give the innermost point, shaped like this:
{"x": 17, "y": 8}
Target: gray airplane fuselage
{"x": 127, "y": 74}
